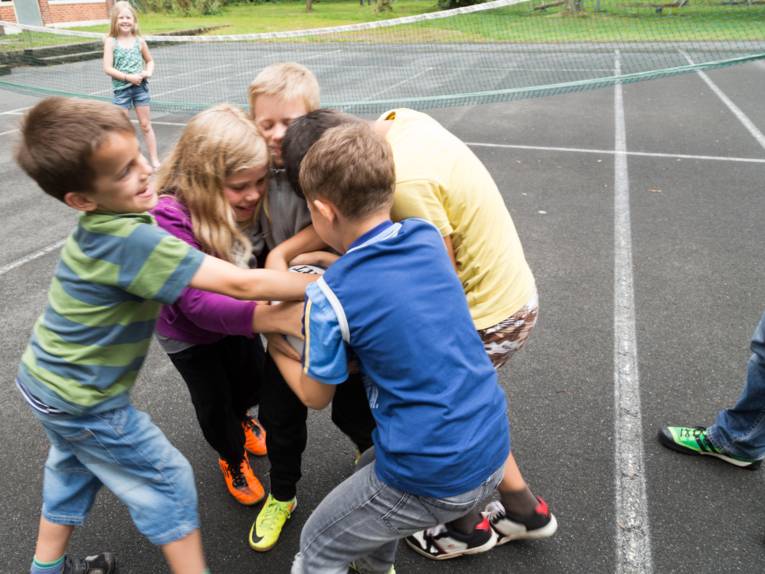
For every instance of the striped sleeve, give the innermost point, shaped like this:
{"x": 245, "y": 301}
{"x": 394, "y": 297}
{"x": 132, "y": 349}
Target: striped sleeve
{"x": 156, "y": 265}
{"x": 325, "y": 357}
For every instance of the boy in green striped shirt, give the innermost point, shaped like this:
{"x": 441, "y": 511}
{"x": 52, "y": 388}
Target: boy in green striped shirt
{"x": 116, "y": 269}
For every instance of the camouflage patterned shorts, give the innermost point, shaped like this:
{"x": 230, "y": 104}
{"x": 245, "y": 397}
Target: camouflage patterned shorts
{"x": 502, "y": 340}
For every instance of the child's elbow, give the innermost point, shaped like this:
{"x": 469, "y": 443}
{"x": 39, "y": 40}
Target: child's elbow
{"x": 315, "y": 403}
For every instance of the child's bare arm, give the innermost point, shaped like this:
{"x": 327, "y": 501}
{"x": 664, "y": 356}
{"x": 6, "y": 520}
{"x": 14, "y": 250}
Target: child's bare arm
{"x": 147, "y": 59}
{"x": 284, "y": 319}
{"x": 450, "y": 251}
{"x": 303, "y": 241}
{"x": 280, "y": 344}
{"x": 320, "y": 258}
{"x": 312, "y": 393}
{"x": 222, "y": 277}
{"x": 109, "y": 68}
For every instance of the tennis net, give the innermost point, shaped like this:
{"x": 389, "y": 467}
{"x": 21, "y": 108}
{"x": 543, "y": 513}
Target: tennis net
{"x": 496, "y": 51}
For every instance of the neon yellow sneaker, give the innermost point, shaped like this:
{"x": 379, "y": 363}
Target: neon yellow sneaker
{"x": 265, "y": 531}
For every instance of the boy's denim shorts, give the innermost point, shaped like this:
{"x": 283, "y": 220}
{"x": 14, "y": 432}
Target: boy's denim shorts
{"x": 133, "y": 96}
{"x": 126, "y": 452}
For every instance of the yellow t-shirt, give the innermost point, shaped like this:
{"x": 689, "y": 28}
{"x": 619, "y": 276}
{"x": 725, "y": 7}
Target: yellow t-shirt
{"x": 438, "y": 178}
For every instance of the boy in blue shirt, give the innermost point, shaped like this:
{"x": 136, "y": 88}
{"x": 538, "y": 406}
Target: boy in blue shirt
{"x": 116, "y": 269}
{"x": 394, "y": 303}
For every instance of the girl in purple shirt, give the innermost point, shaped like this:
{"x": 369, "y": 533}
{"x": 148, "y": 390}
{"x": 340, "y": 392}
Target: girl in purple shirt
{"x": 210, "y": 193}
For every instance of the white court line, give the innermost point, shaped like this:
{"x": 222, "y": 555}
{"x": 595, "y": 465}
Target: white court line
{"x": 740, "y": 115}
{"x": 31, "y": 257}
{"x": 397, "y": 84}
{"x": 633, "y": 542}
{"x": 14, "y": 130}
{"x": 17, "y": 111}
{"x": 182, "y": 125}
{"x": 628, "y": 153}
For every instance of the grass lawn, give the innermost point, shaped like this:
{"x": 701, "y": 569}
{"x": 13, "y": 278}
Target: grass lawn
{"x": 616, "y": 21}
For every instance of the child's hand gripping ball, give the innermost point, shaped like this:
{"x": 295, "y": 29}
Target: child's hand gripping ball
{"x": 296, "y": 342}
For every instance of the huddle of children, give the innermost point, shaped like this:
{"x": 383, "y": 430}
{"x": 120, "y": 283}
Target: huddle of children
{"x": 425, "y": 294}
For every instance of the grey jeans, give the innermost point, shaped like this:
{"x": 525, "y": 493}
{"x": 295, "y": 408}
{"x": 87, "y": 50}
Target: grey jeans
{"x": 362, "y": 520}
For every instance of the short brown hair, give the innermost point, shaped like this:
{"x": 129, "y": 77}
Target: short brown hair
{"x": 58, "y": 139}
{"x": 288, "y": 81}
{"x": 302, "y": 133}
{"x": 352, "y": 167}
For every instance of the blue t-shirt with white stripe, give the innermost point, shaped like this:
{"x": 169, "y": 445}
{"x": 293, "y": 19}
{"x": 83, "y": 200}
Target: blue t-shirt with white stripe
{"x": 395, "y": 301}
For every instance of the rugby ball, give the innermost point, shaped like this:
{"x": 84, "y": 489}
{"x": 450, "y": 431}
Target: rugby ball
{"x": 296, "y": 342}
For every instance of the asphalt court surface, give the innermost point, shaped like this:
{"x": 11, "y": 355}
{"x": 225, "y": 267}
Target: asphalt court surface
{"x": 694, "y": 175}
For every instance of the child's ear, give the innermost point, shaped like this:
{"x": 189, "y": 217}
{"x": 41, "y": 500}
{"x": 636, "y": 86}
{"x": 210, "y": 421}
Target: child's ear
{"x": 327, "y": 210}
{"x": 80, "y": 201}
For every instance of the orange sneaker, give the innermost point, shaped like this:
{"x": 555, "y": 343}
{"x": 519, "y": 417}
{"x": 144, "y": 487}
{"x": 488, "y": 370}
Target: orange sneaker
{"x": 254, "y": 437}
{"x": 241, "y": 482}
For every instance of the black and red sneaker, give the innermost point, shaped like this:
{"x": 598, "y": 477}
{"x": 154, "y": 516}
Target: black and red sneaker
{"x": 508, "y": 526}
{"x": 442, "y": 543}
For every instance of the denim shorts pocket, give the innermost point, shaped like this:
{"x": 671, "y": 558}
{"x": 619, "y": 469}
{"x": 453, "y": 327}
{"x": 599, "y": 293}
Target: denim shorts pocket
{"x": 76, "y": 435}
{"x": 115, "y": 419}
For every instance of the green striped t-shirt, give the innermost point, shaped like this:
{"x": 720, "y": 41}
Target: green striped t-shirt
{"x": 90, "y": 342}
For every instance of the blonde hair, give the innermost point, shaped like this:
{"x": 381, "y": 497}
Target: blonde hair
{"x": 288, "y": 81}
{"x": 215, "y": 144}
{"x": 116, "y": 9}
{"x": 352, "y": 167}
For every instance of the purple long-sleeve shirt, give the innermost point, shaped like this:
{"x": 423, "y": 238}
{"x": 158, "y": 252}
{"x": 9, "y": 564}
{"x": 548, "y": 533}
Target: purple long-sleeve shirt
{"x": 198, "y": 317}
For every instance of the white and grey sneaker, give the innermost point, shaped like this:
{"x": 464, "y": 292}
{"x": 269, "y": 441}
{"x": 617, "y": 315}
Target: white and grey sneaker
{"x": 442, "y": 543}
{"x": 541, "y": 524}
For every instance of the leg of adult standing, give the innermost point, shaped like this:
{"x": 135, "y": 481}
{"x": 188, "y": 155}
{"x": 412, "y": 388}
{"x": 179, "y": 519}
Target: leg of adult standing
{"x": 740, "y": 430}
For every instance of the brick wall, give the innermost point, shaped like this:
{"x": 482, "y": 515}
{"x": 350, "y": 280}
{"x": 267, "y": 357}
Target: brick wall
{"x": 7, "y": 13}
{"x": 54, "y": 13}
{"x": 44, "y": 10}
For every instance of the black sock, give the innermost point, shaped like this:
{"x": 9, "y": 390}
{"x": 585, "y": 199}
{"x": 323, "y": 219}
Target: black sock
{"x": 519, "y": 502}
{"x": 467, "y": 523}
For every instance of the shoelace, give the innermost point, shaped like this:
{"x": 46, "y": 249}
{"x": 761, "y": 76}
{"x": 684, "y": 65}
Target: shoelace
{"x": 434, "y": 531}
{"x": 237, "y": 477}
{"x": 254, "y": 427}
{"x": 496, "y": 511}
{"x": 272, "y": 513}
{"x": 700, "y": 436}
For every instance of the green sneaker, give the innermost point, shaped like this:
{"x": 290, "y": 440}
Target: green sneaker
{"x": 354, "y": 568}
{"x": 694, "y": 440}
{"x": 265, "y": 531}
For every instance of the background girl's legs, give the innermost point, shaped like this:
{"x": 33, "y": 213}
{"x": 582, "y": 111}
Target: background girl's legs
{"x": 144, "y": 120}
